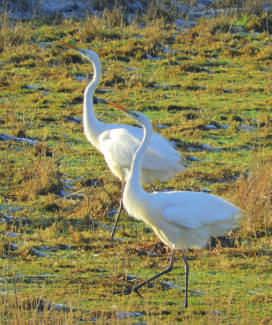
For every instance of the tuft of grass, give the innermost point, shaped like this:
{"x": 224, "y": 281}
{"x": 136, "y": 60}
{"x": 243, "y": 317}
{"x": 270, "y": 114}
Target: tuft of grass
{"x": 115, "y": 17}
{"x": 260, "y": 23}
{"x": 41, "y": 179}
{"x": 12, "y": 33}
{"x": 95, "y": 28}
{"x": 254, "y": 196}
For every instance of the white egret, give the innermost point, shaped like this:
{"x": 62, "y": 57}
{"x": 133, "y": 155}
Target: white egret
{"x": 118, "y": 142}
{"x": 181, "y": 219}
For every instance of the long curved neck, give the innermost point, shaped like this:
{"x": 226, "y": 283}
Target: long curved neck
{"x": 91, "y": 125}
{"x": 134, "y": 176}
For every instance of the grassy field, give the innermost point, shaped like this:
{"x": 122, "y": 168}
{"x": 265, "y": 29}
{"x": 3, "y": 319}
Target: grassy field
{"x": 209, "y": 91}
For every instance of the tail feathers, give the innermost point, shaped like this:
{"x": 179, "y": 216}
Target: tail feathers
{"x": 222, "y": 228}
{"x": 199, "y": 237}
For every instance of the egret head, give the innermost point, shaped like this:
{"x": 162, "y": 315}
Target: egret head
{"x": 140, "y": 117}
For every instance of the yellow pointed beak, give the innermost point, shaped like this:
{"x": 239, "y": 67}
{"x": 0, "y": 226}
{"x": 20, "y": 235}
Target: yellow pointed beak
{"x": 118, "y": 106}
{"x": 71, "y": 46}
{"x": 68, "y": 45}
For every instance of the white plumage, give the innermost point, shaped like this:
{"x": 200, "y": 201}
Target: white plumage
{"x": 118, "y": 146}
{"x": 118, "y": 142}
{"x": 189, "y": 219}
{"x": 181, "y": 219}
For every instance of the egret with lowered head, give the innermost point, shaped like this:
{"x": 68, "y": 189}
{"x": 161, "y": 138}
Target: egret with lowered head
{"x": 118, "y": 142}
{"x": 181, "y": 219}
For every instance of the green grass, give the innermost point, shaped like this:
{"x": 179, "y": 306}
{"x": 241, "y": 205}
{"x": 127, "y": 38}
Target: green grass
{"x": 211, "y": 76}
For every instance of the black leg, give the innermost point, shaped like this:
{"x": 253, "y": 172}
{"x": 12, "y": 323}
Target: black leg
{"x": 168, "y": 269}
{"x": 117, "y": 217}
{"x": 185, "y": 260}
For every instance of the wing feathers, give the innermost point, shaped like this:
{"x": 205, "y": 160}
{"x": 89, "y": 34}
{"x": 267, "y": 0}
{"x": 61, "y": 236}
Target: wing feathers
{"x": 199, "y": 209}
{"x": 119, "y": 145}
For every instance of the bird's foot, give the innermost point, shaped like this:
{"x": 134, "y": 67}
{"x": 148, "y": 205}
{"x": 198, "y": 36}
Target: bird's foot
{"x": 129, "y": 290}
{"x": 135, "y": 289}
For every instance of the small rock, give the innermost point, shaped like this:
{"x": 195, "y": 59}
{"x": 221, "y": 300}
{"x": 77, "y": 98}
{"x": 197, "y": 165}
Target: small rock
{"x": 208, "y": 147}
{"x": 247, "y": 128}
{"x": 13, "y": 247}
{"x": 44, "y": 45}
{"x": 33, "y": 87}
{"x": 74, "y": 119}
{"x": 131, "y": 277}
{"x": 128, "y": 314}
{"x": 237, "y": 118}
{"x": 6, "y": 137}
{"x": 228, "y": 91}
{"x": 132, "y": 69}
{"x": 9, "y": 219}
{"x": 154, "y": 58}
{"x": 93, "y": 182}
{"x": 63, "y": 193}
{"x": 12, "y": 234}
{"x": 197, "y": 293}
{"x": 169, "y": 285}
{"x": 64, "y": 246}
{"x": 112, "y": 213}
{"x": 168, "y": 50}
{"x": 209, "y": 127}
{"x": 60, "y": 307}
{"x": 213, "y": 126}
{"x": 192, "y": 158}
{"x": 38, "y": 253}
{"x": 80, "y": 77}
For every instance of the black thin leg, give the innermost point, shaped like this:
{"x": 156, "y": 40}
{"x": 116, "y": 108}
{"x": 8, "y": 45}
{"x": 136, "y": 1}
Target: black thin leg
{"x": 168, "y": 269}
{"x": 117, "y": 217}
{"x": 185, "y": 260}
{"x": 118, "y": 213}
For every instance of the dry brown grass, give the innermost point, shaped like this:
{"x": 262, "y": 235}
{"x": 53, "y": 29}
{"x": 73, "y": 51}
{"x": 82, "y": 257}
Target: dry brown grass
{"x": 102, "y": 28}
{"x": 20, "y": 310}
{"x": 114, "y": 17}
{"x": 254, "y": 196}
{"x": 11, "y": 34}
{"x": 41, "y": 178}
